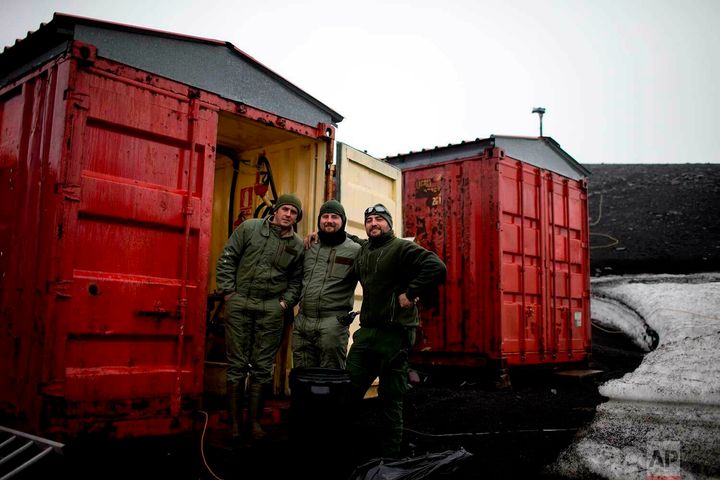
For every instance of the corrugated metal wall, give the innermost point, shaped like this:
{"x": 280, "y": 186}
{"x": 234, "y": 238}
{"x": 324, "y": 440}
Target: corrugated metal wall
{"x": 514, "y": 238}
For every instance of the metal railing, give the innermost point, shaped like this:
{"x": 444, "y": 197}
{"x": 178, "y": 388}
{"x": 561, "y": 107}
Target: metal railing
{"x": 19, "y": 450}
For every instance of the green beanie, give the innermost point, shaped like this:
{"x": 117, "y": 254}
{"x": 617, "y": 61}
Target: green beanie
{"x": 289, "y": 199}
{"x": 380, "y": 210}
{"x": 333, "y": 206}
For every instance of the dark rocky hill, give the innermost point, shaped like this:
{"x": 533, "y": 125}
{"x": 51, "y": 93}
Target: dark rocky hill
{"x": 654, "y": 218}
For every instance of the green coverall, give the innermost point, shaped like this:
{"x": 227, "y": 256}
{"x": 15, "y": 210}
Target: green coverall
{"x": 387, "y": 267}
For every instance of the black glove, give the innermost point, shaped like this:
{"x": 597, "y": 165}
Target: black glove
{"x": 345, "y": 319}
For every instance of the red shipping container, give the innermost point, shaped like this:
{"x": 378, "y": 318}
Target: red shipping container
{"x": 114, "y": 267}
{"x": 112, "y": 219}
{"x": 514, "y": 237}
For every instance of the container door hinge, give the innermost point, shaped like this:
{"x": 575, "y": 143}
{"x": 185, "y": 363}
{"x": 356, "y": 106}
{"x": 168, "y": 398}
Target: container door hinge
{"x": 81, "y": 101}
{"x": 69, "y": 191}
{"x": 326, "y": 131}
{"x": 60, "y": 288}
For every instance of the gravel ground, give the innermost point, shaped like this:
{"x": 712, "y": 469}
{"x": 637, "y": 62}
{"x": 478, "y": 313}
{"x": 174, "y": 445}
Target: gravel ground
{"x": 511, "y": 433}
{"x": 659, "y": 218}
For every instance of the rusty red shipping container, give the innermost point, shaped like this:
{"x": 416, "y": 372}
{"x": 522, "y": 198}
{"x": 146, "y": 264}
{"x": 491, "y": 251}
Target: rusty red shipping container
{"x": 514, "y": 237}
{"x": 107, "y": 247}
{"x": 108, "y": 213}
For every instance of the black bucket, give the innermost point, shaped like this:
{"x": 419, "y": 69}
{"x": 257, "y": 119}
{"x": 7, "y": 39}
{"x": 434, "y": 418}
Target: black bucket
{"x": 320, "y": 418}
{"x": 320, "y": 400}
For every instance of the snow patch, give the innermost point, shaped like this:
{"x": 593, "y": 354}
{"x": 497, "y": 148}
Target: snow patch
{"x": 672, "y": 398}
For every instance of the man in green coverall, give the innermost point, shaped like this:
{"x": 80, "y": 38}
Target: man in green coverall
{"x": 319, "y": 339}
{"x": 260, "y": 274}
{"x": 395, "y": 274}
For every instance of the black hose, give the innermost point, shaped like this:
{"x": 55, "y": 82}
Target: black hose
{"x": 270, "y": 179}
{"x": 263, "y": 210}
{"x": 232, "y": 155}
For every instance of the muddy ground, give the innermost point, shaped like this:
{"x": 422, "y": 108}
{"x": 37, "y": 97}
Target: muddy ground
{"x": 511, "y": 433}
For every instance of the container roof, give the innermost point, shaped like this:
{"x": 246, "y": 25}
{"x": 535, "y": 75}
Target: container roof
{"x": 211, "y": 65}
{"x": 543, "y": 152}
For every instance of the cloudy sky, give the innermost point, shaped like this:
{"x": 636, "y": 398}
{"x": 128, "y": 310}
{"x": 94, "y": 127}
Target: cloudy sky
{"x": 622, "y": 81}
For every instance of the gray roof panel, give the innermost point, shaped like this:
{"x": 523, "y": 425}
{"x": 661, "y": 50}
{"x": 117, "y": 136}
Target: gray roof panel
{"x": 209, "y": 65}
{"x": 542, "y": 152}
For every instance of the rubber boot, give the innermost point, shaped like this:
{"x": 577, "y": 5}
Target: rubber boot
{"x": 254, "y": 411}
{"x": 236, "y": 402}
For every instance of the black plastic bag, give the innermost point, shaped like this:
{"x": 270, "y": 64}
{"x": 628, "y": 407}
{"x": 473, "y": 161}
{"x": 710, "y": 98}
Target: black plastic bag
{"x": 415, "y": 468}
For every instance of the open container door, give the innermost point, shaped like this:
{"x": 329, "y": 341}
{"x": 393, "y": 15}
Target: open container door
{"x": 256, "y": 163}
{"x": 364, "y": 181}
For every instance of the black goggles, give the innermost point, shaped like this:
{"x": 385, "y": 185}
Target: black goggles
{"x": 375, "y": 209}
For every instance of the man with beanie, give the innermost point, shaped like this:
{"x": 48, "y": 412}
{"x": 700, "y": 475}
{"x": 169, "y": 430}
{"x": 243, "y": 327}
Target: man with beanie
{"x": 319, "y": 339}
{"x": 260, "y": 275}
{"x": 395, "y": 274}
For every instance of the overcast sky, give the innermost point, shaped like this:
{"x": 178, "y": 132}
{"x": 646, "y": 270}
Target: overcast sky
{"x": 623, "y": 81}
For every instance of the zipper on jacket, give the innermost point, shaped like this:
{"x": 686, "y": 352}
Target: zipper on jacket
{"x": 392, "y": 308}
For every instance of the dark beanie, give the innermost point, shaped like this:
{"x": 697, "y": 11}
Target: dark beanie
{"x": 386, "y": 214}
{"x": 333, "y": 206}
{"x": 289, "y": 199}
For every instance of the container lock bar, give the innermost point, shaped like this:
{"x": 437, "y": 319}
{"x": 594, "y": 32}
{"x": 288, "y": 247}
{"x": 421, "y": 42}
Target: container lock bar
{"x": 69, "y": 191}
{"x": 60, "y": 288}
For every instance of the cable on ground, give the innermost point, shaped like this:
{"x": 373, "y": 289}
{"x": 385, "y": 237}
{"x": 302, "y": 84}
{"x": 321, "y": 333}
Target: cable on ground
{"x": 481, "y": 434}
{"x": 202, "y": 446}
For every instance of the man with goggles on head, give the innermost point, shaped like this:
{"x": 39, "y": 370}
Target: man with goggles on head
{"x": 395, "y": 274}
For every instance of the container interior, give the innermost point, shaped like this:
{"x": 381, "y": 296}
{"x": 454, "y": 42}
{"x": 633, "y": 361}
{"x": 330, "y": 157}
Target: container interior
{"x": 244, "y": 183}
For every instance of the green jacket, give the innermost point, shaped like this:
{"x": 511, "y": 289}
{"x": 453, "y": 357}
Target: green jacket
{"x": 329, "y": 279}
{"x": 389, "y": 266}
{"x": 260, "y": 265}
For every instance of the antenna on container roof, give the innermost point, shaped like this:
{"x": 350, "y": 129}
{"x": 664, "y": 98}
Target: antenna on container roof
{"x": 540, "y": 111}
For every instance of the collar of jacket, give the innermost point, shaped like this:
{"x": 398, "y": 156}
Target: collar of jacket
{"x": 268, "y": 225}
{"x": 376, "y": 242}
{"x": 332, "y": 239}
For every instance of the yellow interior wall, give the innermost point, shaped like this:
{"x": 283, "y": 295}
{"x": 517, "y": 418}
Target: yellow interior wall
{"x": 298, "y": 167}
